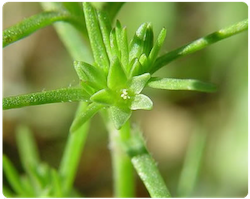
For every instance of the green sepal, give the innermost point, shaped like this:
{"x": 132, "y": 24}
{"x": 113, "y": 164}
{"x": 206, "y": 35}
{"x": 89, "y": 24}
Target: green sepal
{"x": 136, "y": 45}
{"x": 103, "y": 96}
{"x": 181, "y": 84}
{"x": 139, "y": 82}
{"x": 119, "y": 116}
{"x": 141, "y": 101}
{"x": 91, "y": 74}
{"x": 80, "y": 119}
{"x": 116, "y": 77}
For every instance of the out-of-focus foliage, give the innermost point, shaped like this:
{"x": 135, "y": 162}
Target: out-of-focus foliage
{"x": 34, "y": 63}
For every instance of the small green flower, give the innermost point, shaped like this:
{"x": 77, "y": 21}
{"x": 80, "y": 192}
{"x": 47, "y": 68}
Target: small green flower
{"x": 121, "y": 70}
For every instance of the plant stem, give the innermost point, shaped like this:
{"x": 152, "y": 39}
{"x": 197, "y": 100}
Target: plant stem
{"x": 34, "y": 23}
{"x": 200, "y": 44}
{"x": 123, "y": 175}
{"x": 150, "y": 175}
{"x": 145, "y": 166}
{"x": 72, "y": 153}
{"x": 45, "y": 97}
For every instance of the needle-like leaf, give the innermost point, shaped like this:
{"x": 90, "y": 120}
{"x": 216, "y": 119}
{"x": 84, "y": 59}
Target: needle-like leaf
{"x": 181, "y": 84}
{"x": 95, "y": 37}
{"x": 12, "y": 176}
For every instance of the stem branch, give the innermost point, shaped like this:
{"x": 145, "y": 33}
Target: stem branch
{"x": 200, "y": 44}
{"x": 45, "y": 97}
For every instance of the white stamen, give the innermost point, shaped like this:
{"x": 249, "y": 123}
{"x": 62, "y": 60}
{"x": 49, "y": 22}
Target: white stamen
{"x": 124, "y": 94}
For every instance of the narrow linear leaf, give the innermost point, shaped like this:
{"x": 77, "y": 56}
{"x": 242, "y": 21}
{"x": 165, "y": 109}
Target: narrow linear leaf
{"x": 116, "y": 77}
{"x": 144, "y": 63}
{"x": 119, "y": 116}
{"x": 118, "y": 31}
{"x": 12, "y": 176}
{"x": 192, "y": 164}
{"x": 135, "y": 68}
{"x": 91, "y": 110}
{"x": 105, "y": 26}
{"x": 95, "y": 37}
{"x": 103, "y": 96}
{"x": 181, "y": 84}
{"x": 148, "y": 40}
{"x": 28, "y": 186}
{"x": 139, "y": 82}
{"x": 27, "y": 148}
{"x": 200, "y": 44}
{"x": 45, "y": 97}
{"x": 136, "y": 45}
{"x": 156, "y": 48}
{"x": 124, "y": 50}
{"x": 141, "y": 101}
{"x": 56, "y": 184}
{"x": 113, "y": 44}
{"x": 36, "y": 179}
{"x": 34, "y": 23}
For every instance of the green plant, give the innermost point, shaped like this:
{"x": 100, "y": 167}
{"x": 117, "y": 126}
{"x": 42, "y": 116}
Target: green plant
{"x": 111, "y": 85}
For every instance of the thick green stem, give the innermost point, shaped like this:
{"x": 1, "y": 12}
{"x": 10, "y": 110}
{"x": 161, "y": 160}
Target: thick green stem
{"x": 45, "y": 97}
{"x": 200, "y": 44}
{"x": 123, "y": 172}
{"x": 122, "y": 167}
{"x": 150, "y": 175}
{"x": 145, "y": 166}
{"x": 72, "y": 153}
{"x": 34, "y": 23}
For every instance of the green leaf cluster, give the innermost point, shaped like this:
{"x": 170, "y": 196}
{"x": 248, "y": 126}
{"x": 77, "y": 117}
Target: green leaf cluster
{"x": 120, "y": 71}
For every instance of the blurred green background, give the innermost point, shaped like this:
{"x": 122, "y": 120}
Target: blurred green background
{"x": 40, "y": 62}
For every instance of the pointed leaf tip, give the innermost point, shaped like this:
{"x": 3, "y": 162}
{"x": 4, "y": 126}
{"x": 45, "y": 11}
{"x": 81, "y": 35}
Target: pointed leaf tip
{"x": 116, "y": 76}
